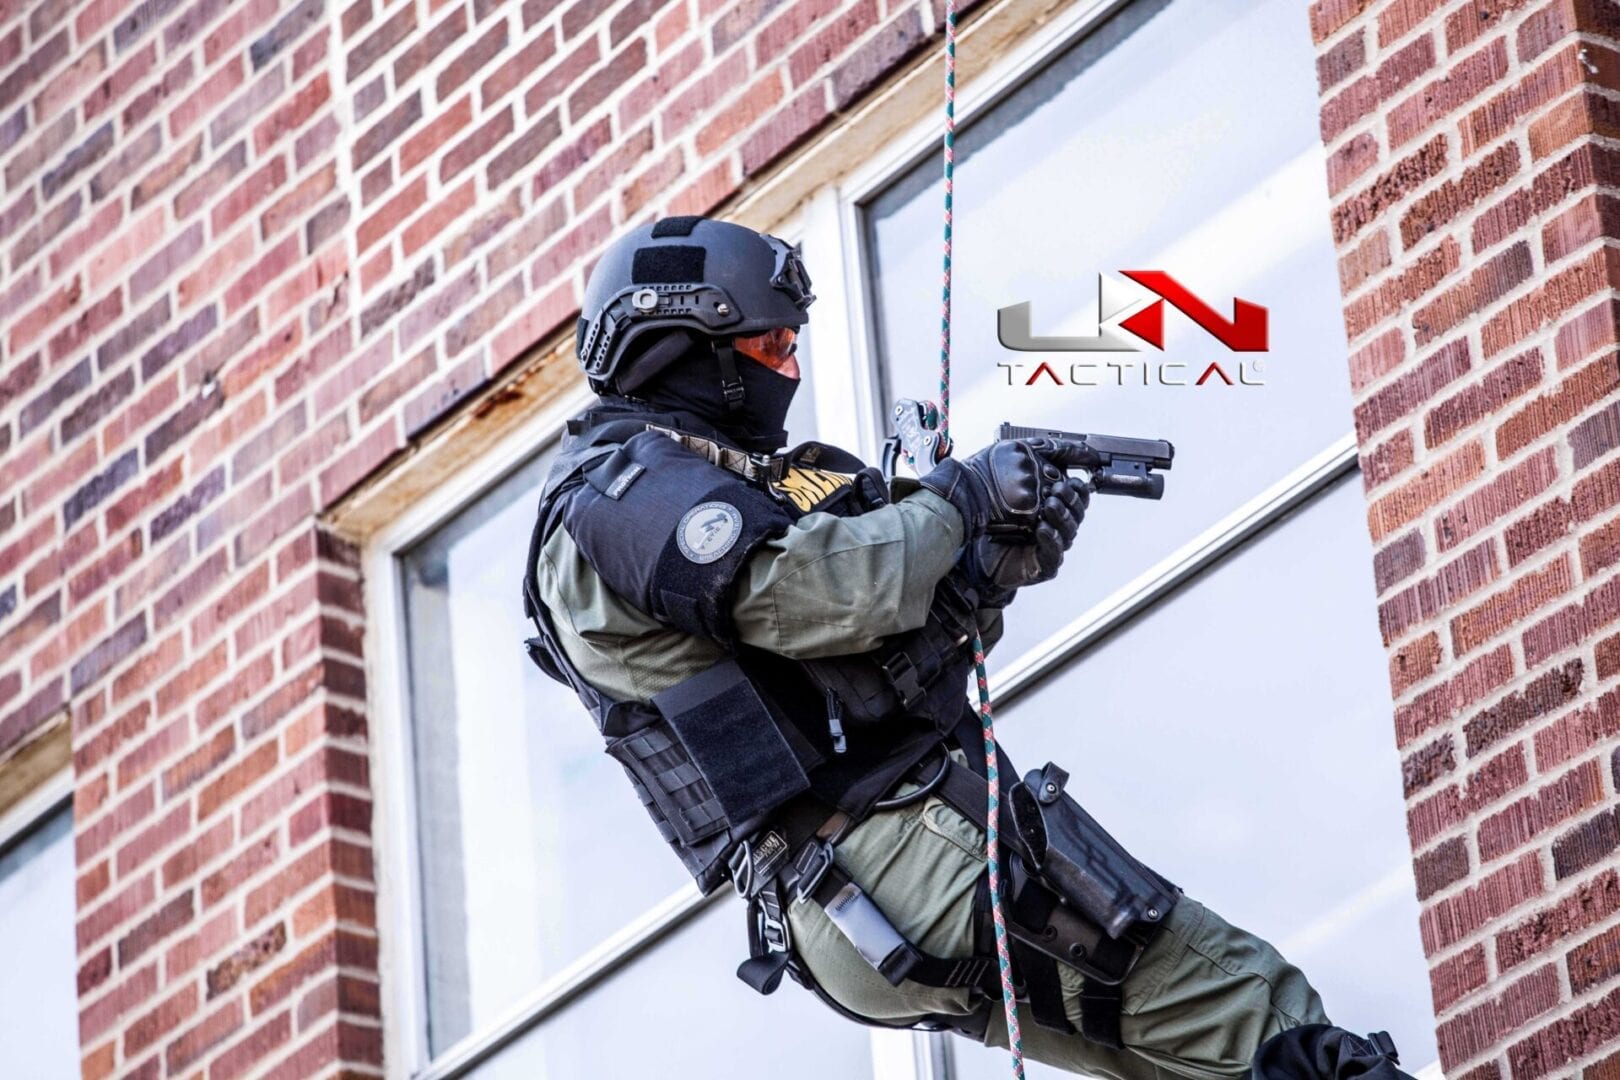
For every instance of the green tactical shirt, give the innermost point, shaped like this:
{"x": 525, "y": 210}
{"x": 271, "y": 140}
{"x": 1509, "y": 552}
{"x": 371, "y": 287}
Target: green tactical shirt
{"x": 829, "y": 586}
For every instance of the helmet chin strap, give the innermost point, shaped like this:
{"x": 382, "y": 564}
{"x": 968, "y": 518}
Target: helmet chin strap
{"x": 731, "y": 384}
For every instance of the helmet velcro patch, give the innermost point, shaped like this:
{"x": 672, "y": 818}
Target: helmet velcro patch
{"x": 667, "y": 264}
{"x": 679, "y": 225}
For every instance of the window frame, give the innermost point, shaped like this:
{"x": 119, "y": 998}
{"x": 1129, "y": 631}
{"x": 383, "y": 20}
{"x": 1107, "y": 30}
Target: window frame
{"x": 401, "y": 960}
{"x": 30, "y": 811}
{"x": 828, "y": 221}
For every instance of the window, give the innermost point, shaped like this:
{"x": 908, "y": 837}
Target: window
{"x": 544, "y": 911}
{"x": 1108, "y": 160}
{"x": 39, "y": 1002}
{"x": 543, "y": 906}
{"x": 1249, "y": 690}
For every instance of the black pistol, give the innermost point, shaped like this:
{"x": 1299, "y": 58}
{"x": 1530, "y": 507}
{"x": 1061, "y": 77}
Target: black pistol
{"x": 1118, "y": 466}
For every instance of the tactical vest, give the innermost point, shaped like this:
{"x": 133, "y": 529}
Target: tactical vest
{"x": 718, "y": 756}
{"x": 749, "y": 767}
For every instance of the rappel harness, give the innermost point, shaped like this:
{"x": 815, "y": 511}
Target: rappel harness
{"x": 754, "y": 767}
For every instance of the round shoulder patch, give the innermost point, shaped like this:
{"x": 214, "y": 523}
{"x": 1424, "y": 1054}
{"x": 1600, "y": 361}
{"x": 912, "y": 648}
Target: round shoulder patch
{"x": 708, "y": 531}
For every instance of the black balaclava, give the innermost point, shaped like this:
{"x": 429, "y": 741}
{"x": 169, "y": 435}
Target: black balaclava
{"x": 681, "y": 372}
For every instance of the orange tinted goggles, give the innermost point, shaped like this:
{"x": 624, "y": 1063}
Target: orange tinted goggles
{"x": 773, "y": 348}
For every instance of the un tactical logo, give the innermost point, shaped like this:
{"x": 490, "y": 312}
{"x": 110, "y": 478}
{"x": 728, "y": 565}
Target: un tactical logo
{"x": 708, "y": 531}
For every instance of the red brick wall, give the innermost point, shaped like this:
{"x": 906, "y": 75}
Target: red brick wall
{"x": 1471, "y": 168}
{"x": 252, "y": 251}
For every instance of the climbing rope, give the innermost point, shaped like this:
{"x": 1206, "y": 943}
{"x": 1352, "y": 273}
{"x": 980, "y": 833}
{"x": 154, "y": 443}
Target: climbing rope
{"x": 992, "y": 845}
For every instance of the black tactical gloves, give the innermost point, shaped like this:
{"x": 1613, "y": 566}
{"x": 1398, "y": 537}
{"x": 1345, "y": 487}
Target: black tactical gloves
{"x": 1020, "y": 509}
{"x": 1008, "y": 563}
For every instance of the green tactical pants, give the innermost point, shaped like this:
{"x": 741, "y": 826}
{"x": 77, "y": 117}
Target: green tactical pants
{"x": 1200, "y": 1001}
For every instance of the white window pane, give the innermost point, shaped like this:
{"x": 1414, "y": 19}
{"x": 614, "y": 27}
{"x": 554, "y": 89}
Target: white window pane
{"x": 679, "y": 1013}
{"x": 39, "y": 1003}
{"x": 1179, "y": 137}
{"x": 1237, "y": 739}
{"x": 532, "y": 845}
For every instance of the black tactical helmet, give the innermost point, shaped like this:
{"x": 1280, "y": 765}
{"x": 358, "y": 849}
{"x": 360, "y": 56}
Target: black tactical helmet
{"x": 714, "y": 278}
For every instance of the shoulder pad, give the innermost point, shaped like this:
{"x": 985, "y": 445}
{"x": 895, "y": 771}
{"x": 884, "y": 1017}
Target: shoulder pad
{"x": 670, "y": 532}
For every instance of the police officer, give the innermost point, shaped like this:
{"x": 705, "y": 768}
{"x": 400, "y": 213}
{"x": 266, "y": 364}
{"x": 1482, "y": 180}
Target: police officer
{"x": 776, "y": 647}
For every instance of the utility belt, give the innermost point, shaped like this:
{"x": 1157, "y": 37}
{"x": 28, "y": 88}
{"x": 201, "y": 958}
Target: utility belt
{"x": 1073, "y": 896}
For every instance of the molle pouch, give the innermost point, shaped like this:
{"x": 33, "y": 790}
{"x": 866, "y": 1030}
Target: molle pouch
{"x": 1076, "y": 858}
{"x": 733, "y": 742}
{"x": 668, "y": 784}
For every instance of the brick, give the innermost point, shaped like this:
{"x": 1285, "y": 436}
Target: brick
{"x": 522, "y": 150}
{"x": 1597, "y": 492}
{"x": 1594, "y": 962}
{"x": 601, "y": 84}
{"x": 1364, "y": 262}
{"x": 64, "y": 389}
{"x": 1577, "y": 732}
{"x": 1390, "y": 188}
{"x": 1453, "y": 198}
{"x": 40, "y": 318}
{"x": 1537, "y": 531}
{"x": 196, "y": 1042}
{"x": 784, "y": 131}
{"x": 1423, "y": 767}
{"x": 1442, "y": 98}
{"x": 434, "y": 310}
{"x": 1581, "y": 115}
{"x": 429, "y": 46}
{"x": 1442, "y": 866}
{"x": 252, "y": 768}
{"x": 252, "y": 1048}
{"x": 381, "y": 134}
{"x": 426, "y": 142}
{"x": 1576, "y": 791}
{"x": 1404, "y": 504}
{"x": 1507, "y": 493}
{"x": 41, "y": 149}
{"x": 292, "y": 114}
{"x": 1455, "y": 978}
{"x": 133, "y": 333}
{"x": 1482, "y": 1026}
{"x": 246, "y": 196}
{"x": 31, "y": 715}
{"x": 1503, "y": 609}
{"x": 390, "y": 303}
{"x": 1548, "y": 82}
{"x": 99, "y": 1017}
{"x": 287, "y": 30}
{"x": 1491, "y": 281}
{"x": 381, "y": 41}
{"x": 471, "y": 60}
{"x": 1341, "y": 61}
{"x": 1375, "y": 359}
{"x": 1511, "y": 379}
{"x": 1571, "y": 1037}
{"x": 358, "y": 462}
{"x": 532, "y": 58}
{"x": 1458, "y": 916}
{"x": 1403, "y": 396}
{"x": 1594, "y": 901}
{"x": 1580, "y": 336}
{"x": 1597, "y": 434}
{"x": 1386, "y": 460}
{"x": 1588, "y": 844}
{"x": 246, "y": 959}
{"x": 1398, "y": 560}
{"x": 1423, "y": 601}
{"x": 654, "y": 180}
{"x": 163, "y": 922}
